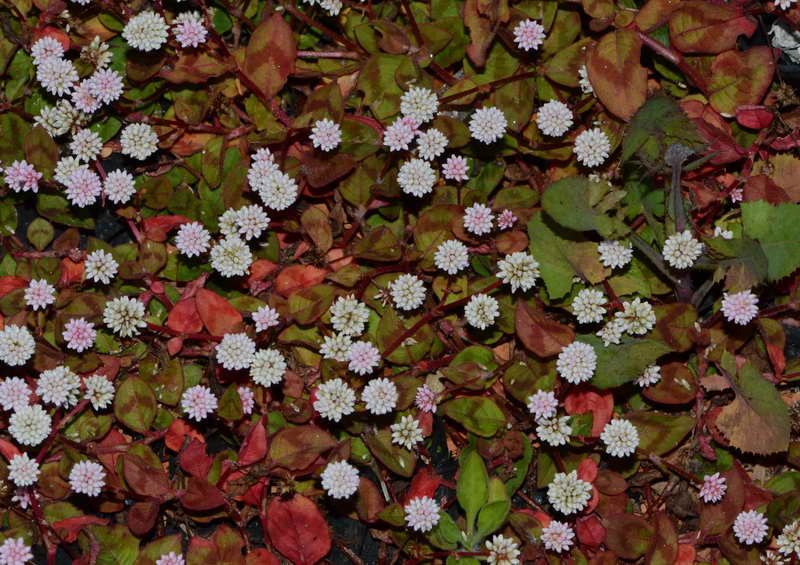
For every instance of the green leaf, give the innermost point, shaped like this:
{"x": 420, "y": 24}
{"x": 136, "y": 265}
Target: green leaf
{"x": 118, "y": 546}
{"x": 562, "y": 255}
{"x": 445, "y": 534}
{"x": 399, "y": 460}
{"x": 478, "y": 415}
{"x": 8, "y": 218}
{"x": 757, "y": 421}
{"x": 740, "y": 78}
{"x": 520, "y": 468}
{"x": 40, "y": 233}
{"x": 56, "y": 208}
{"x": 657, "y": 125}
{"x": 41, "y": 151}
{"x": 12, "y": 130}
{"x": 660, "y": 432}
{"x": 620, "y": 364}
{"x": 494, "y": 513}
{"x": 777, "y": 229}
{"x": 472, "y": 488}
{"x": 230, "y": 405}
{"x": 135, "y": 404}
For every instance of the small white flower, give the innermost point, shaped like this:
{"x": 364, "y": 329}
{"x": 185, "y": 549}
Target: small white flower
{"x": 416, "y": 177}
{"x": 750, "y": 527}
{"x": 57, "y": 75}
{"x": 408, "y": 292}
{"x": 14, "y": 551}
{"x": 268, "y": 367}
{"x": 99, "y": 391}
{"x": 198, "y": 402}
{"x": 349, "y": 315}
{"x": 431, "y": 144}
{"x": 265, "y": 318}
{"x": 681, "y": 250}
{"x": 543, "y": 404}
{"x": 638, "y": 317}
{"x": 478, "y": 219}
{"x": 569, "y": 494}
{"x": 557, "y": 536}
{"x": 487, "y": 125}
{"x": 22, "y": 470}
{"x": 192, "y": 239}
{"x": 520, "y": 270}
{"x": 422, "y": 513}
{"x": 649, "y": 377}
{"x": 612, "y": 332}
{"x": 713, "y": 488}
{"x": 420, "y": 104}
{"x": 554, "y": 431}
{"x": 87, "y": 477}
{"x": 340, "y": 479}
{"x": 740, "y": 307}
{"x": 30, "y": 425}
{"x": 146, "y": 31}
{"x": 576, "y": 362}
{"x": 228, "y": 222}
{"x": 16, "y": 345}
{"x": 119, "y": 186}
{"x": 83, "y": 187}
{"x": 252, "y": 221}
{"x": 481, "y": 311}
{"x": 336, "y": 347}
{"x": 86, "y": 145}
{"x": 592, "y": 147}
{"x": 231, "y": 257}
{"x": 502, "y": 551}
{"x": 65, "y": 167}
{"x": 278, "y": 190}
{"x": 14, "y": 393}
{"x": 399, "y": 135}
{"x": 125, "y": 316}
{"x": 139, "y": 141}
{"x": 236, "y": 351}
{"x": 334, "y": 400}
{"x": 406, "y": 432}
{"x": 59, "y": 386}
{"x": 326, "y": 134}
{"x": 363, "y": 357}
{"x": 724, "y": 234}
{"x": 451, "y": 256}
{"x": 105, "y": 85}
{"x": 40, "y": 294}
{"x": 789, "y": 539}
{"x": 554, "y": 118}
{"x": 456, "y": 168}
{"x": 46, "y": 47}
{"x": 621, "y": 438}
{"x": 189, "y": 29}
{"x": 589, "y": 306}
{"x": 583, "y": 76}
{"x": 100, "y": 266}
{"x": 380, "y": 396}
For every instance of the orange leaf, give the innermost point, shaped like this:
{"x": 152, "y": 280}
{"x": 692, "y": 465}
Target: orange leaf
{"x": 184, "y": 317}
{"x": 584, "y": 399}
{"x": 298, "y": 276}
{"x": 71, "y": 272}
{"x": 9, "y": 283}
{"x": 156, "y": 228}
{"x": 217, "y": 313}
{"x": 178, "y": 430}
{"x": 70, "y": 527}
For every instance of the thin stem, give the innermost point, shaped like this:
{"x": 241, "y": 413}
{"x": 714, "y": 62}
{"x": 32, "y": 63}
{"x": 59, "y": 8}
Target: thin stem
{"x": 676, "y": 59}
{"x": 488, "y": 86}
{"x": 329, "y": 54}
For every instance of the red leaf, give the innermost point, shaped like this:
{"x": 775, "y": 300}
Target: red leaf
{"x": 261, "y": 556}
{"x": 53, "y": 32}
{"x": 194, "y": 459}
{"x": 424, "y": 483}
{"x": 586, "y": 399}
{"x": 177, "y": 431}
{"x": 217, "y": 313}
{"x": 254, "y": 446}
{"x": 142, "y": 517}
{"x": 71, "y": 272}
{"x": 142, "y": 478}
{"x": 761, "y": 187}
{"x": 590, "y": 531}
{"x": 8, "y": 449}
{"x": 70, "y": 527}
{"x": 755, "y": 117}
{"x": 156, "y": 228}
{"x": 184, "y": 317}
{"x": 298, "y": 276}
{"x": 540, "y": 334}
{"x": 587, "y": 470}
{"x": 174, "y": 345}
{"x": 686, "y": 554}
{"x": 201, "y": 495}
{"x": 260, "y": 269}
{"x": 298, "y": 530}
{"x": 9, "y": 283}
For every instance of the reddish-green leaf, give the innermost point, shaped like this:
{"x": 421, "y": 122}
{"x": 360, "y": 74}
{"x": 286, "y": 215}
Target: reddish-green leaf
{"x": 540, "y": 334}
{"x": 628, "y": 536}
{"x": 618, "y": 78}
{"x": 298, "y": 447}
{"x": 270, "y": 55}
{"x": 217, "y": 313}
{"x": 707, "y": 27}
{"x": 740, "y": 78}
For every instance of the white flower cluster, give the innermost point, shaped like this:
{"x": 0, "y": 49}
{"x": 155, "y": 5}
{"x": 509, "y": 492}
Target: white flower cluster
{"x": 277, "y": 190}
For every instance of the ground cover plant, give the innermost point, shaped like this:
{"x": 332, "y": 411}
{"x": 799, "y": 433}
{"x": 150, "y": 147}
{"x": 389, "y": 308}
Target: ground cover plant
{"x": 399, "y": 281}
